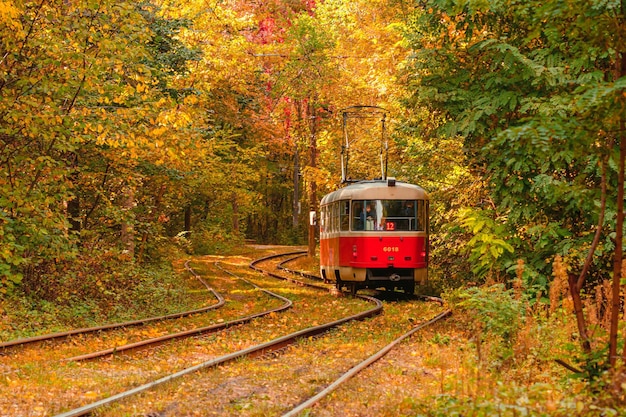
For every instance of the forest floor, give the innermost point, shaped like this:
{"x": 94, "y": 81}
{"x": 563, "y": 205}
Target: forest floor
{"x": 444, "y": 369}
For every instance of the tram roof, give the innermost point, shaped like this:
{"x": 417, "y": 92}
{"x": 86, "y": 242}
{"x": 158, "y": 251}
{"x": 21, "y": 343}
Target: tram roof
{"x": 377, "y": 190}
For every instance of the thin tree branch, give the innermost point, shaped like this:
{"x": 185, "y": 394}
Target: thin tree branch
{"x": 596, "y": 238}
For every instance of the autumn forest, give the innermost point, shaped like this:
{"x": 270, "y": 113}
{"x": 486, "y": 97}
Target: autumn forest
{"x": 136, "y": 134}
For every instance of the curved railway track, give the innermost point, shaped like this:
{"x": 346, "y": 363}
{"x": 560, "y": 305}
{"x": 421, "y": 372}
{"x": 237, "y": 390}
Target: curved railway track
{"x": 141, "y": 322}
{"x": 291, "y": 256}
{"x": 193, "y": 332}
{"x": 274, "y": 345}
{"x": 361, "y": 366}
{"x": 365, "y": 363}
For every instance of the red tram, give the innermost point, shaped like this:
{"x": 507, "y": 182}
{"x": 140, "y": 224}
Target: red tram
{"x": 374, "y": 234}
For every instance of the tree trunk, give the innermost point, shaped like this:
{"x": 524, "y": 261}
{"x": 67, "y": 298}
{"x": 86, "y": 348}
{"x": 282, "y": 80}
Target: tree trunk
{"x": 188, "y": 218}
{"x": 296, "y": 189}
{"x": 620, "y": 69}
{"x": 578, "y": 311}
{"x": 235, "y": 204}
{"x": 154, "y": 215}
{"x": 73, "y": 205}
{"x": 313, "y": 183}
{"x": 73, "y": 214}
{"x": 576, "y": 284}
{"x": 128, "y": 230}
{"x": 617, "y": 255}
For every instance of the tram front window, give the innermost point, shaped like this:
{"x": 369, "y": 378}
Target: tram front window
{"x": 388, "y": 215}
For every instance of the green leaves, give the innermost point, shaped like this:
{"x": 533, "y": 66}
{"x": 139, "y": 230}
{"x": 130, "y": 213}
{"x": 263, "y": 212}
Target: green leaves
{"x": 487, "y": 245}
{"x": 493, "y": 308}
{"x": 531, "y": 88}
{"x": 10, "y": 254}
{"x": 77, "y": 108}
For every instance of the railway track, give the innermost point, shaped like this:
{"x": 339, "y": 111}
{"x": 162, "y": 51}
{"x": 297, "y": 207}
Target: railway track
{"x": 142, "y": 322}
{"x": 366, "y": 362}
{"x": 259, "y": 351}
{"x": 310, "y": 280}
{"x": 253, "y": 351}
{"x": 154, "y": 341}
{"x": 192, "y": 332}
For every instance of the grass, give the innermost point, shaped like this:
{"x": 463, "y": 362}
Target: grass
{"x": 43, "y": 385}
{"x": 472, "y": 364}
{"x": 270, "y": 385}
{"x": 148, "y": 292}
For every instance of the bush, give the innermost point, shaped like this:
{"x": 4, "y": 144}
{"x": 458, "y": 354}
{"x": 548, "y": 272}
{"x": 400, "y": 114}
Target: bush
{"x": 97, "y": 288}
{"x": 491, "y": 310}
{"x": 214, "y": 240}
{"x": 494, "y": 317}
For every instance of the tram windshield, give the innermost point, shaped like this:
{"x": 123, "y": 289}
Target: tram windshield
{"x": 389, "y": 215}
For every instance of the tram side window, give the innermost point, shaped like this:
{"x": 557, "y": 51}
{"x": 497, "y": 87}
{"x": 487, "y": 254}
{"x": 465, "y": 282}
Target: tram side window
{"x": 329, "y": 218}
{"x": 422, "y": 215}
{"x": 366, "y": 214}
{"x": 345, "y": 215}
{"x": 357, "y": 209}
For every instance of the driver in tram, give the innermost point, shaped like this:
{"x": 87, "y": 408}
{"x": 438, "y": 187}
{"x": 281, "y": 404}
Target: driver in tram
{"x": 368, "y": 218}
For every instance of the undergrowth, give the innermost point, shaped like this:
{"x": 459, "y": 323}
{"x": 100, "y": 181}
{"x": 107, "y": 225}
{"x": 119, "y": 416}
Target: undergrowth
{"x": 518, "y": 356}
{"x": 92, "y": 291}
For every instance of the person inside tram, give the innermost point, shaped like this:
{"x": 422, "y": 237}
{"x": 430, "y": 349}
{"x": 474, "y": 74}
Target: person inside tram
{"x": 409, "y": 211}
{"x": 368, "y": 216}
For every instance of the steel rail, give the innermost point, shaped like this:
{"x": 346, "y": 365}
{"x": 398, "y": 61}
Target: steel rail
{"x": 282, "y": 267}
{"x": 139, "y": 322}
{"x": 254, "y": 263}
{"x": 367, "y": 362}
{"x": 295, "y": 281}
{"x": 313, "y": 277}
{"x": 361, "y": 366}
{"x": 192, "y": 332}
{"x": 253, "y": 351}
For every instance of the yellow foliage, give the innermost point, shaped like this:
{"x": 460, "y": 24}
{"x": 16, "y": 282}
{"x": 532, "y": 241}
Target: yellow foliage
{"x": 91, "y": 395}
{"x": 190, "y": 100}
{"x": 9, "y": 15}
{"x": 559, "y": 285}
